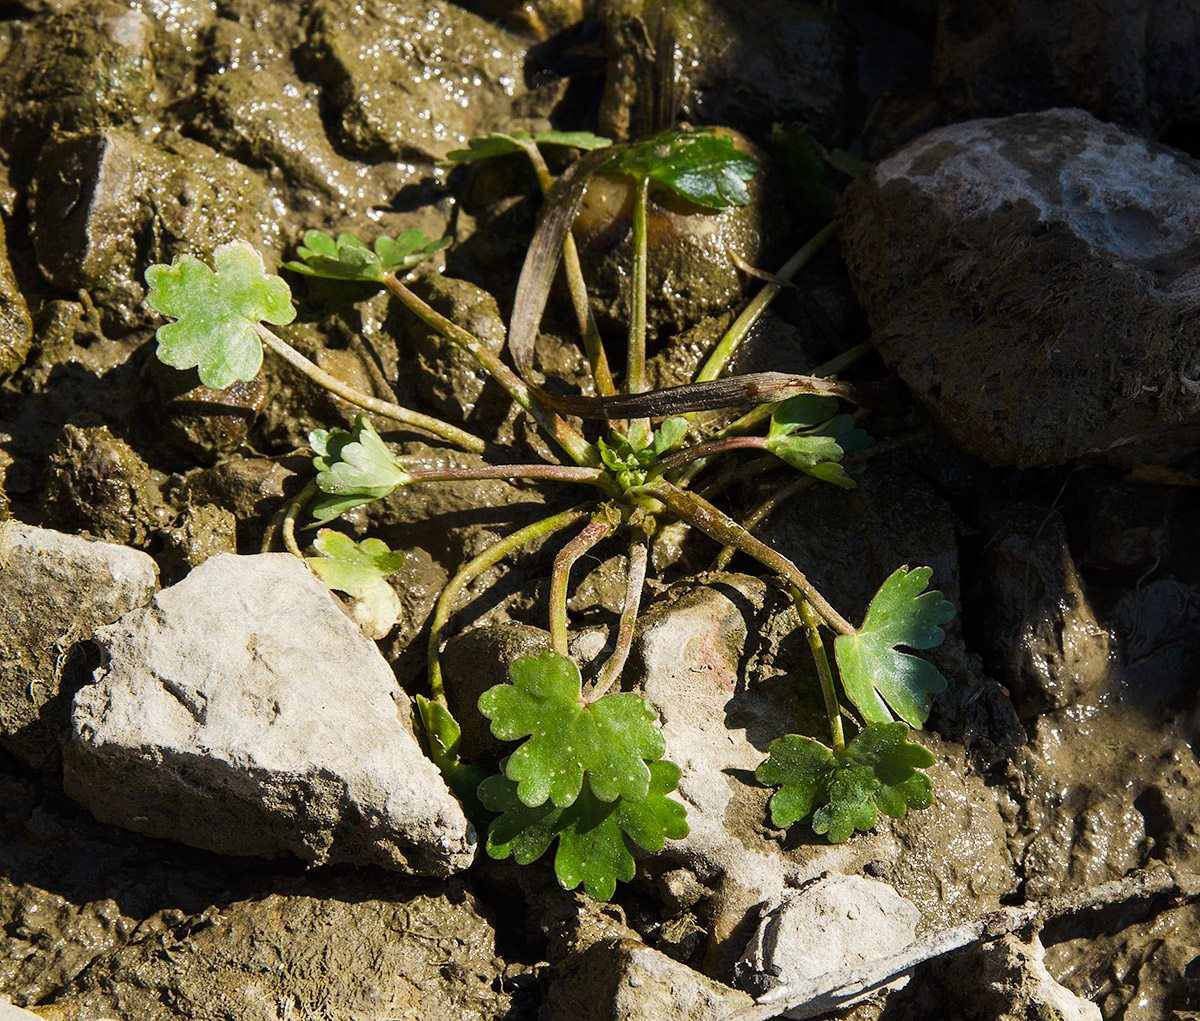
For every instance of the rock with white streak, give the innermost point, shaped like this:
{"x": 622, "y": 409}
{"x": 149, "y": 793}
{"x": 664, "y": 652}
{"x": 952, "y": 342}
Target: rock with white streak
{"x": 833, "y": 923}
{"x": 1034, "y": 280}
{"x": 244, "y": 713}
{"x": 55, "y": 589}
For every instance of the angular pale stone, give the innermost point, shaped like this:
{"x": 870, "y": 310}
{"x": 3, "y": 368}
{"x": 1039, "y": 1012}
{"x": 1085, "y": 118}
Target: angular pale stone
{"x": 244, "y": 713}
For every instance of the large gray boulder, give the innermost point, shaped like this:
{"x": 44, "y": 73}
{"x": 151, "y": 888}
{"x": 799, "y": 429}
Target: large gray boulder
{"x": 245, "y": 713}
{"x": 1033, "y": 280}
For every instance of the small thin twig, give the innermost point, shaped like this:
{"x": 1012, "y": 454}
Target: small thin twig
{"x": 838, "y": 989}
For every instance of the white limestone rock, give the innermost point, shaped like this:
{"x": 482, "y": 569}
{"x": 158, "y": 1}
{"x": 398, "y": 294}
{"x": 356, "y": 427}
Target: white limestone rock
{"x": 244, "y": 713}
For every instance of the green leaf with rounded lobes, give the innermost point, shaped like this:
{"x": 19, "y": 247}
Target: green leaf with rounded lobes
{"x": 591, "y": 833}
{"x": 875, "y": 673}
{"x": 700, "y": 166}
{"x": 217, "y": 311}
{"x": 360, "y": 570}
{"x": 610, "y": 740}
{"x": 347, "y": 258}
{"x": 879, "y": 771}
{"x": 353, "y": 468}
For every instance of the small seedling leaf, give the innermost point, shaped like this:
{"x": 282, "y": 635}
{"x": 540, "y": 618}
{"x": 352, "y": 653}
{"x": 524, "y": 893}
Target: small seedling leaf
{"x": 360, "y": 570}
{"x": 216, "y": 312}
{"x": 669, "y": 435}
{"x": 500, "y": 143}
{"x": 873, "y": 669}
{"x": 805, "y": 450}
{"x": 807, "y": 411}
{"x": 879, "y": 771}
{"x": 353, "y": 468}
{"x": 808, "y": 434}
{"x": 610, "y": 739}
{"x": 700, "y": 166}
{"x": 591, "y": 833}
{"x": 347, "y": 258}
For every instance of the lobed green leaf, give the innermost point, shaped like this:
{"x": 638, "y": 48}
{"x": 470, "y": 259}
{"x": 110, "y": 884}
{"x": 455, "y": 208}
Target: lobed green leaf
{"x": 217, "y": 312}
{"x": 700, "y": 166}
{"x": 353, "y": 468}
{"x": 360, "y": 570}
{"x": 873, "y": 668}
{"x": 610, "y": 739}
{"x": 879, "y": 771}
{"x": 347, "y": 258}
{"x": 591, "y": 832}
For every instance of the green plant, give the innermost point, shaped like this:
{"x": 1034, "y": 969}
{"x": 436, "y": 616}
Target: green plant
{"x": 589, "y": 772}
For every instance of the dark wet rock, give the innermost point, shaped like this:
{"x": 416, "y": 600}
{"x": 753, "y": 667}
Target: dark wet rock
{"x": 206, "y": 423}
{"x": 455, "y": 521}
{"x": 1039, "y": 633}
{"x": 1145, "y": 972}
{"x": 259, "y": 113}
{"x": 541, "y": 19}
{"x": 986, "y": 253}
{"x": 1080, "y": 821}
{"x": 431, "y": 955}
{"x": 243, "y": 712}
{"x": 449, "y": 380}
{"x": 1158, "y": 623}
{"x": 952, "y": 859}
{"x": 1131, "y": 63}
{"x": 830, "y": 924}
{"x": 413, "y": 78}
{"x": 479, "y": 659}
{"x": 619, "y": 980}
{"x": 97, "y": 483}
{"x": 90, "y": 66}
{"x": 16, "y": 326}
{"x": 107, "y": 205}
{"x": 1116, "y": 525}
{"x": 692, "y": 254}
{"x": 56, "y": 590}
{"x": 750, "y": 63}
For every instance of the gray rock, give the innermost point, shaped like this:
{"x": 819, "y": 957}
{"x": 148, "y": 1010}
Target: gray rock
{"x": 55, "y": 590}
{"x": 830, "y": 924}
{"x": 727, "y": 676}
{"x": 1032, "y": 279}
{"x": 692, "y": 653}
{"x": 244, "y": 713}
{"x": 623, "y": 980}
